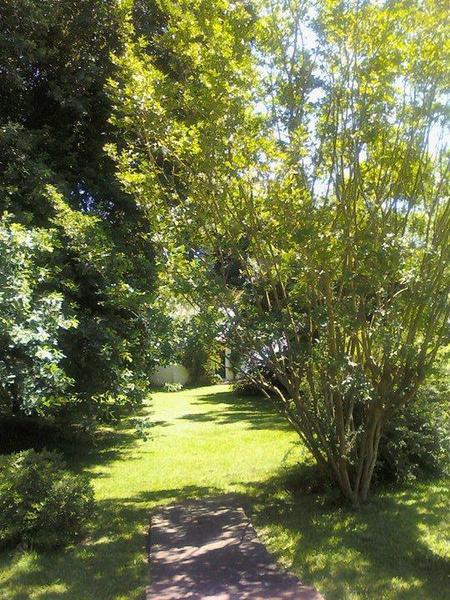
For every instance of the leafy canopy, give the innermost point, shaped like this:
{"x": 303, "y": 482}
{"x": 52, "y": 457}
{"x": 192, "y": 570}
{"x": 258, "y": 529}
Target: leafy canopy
{"x": 295, "y": 170}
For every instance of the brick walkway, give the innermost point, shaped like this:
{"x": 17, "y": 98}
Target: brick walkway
{"x": 209, "y": 550}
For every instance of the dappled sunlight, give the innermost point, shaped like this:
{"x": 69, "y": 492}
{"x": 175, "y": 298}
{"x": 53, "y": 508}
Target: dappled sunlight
{"x": 255, "y": 413}
{"x": 377, "y": 549}
{"x": 131, "y": 476}
{"x": 393, "y": 548}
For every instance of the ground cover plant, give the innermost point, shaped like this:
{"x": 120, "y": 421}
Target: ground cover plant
{"x": 206, "y": 441}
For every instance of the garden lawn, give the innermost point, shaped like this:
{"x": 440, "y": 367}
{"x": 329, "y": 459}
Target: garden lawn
{"x": 207, "y": 442}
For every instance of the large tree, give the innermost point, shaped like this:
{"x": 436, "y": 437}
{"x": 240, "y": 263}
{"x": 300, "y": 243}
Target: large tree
{"x": 297, "y": 170}
{"x": 58, "y": 184}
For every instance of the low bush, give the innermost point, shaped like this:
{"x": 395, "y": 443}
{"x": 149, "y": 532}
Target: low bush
{"x": 215, "y": 379}
{"x": 172, "y": 387}
{"x": 245, "y": 387}
{"x": 41, "y": 503}
{"x": 416, "y": 442}
{"x": 142, "y": 427}
{"x": 245, "y": 384}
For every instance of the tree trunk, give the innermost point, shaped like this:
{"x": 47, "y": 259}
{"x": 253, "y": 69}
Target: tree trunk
{"x": 355, "y": 484}
{"x": 370, "y": 460}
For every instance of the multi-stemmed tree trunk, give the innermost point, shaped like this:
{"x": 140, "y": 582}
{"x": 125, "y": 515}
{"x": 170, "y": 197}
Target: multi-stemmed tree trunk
{"x": 304, "y": 197}
{"x": 340, "y": 360}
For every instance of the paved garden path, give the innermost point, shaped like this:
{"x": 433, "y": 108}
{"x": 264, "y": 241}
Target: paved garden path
{"x": 208, "y": 550}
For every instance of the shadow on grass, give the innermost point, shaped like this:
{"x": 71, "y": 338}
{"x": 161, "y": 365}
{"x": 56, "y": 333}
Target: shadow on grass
{"x": 259, "y": 413}
{"x": 377, "y": 551}
{"x": 21, "y": 433}
{"x": 111, "y": 564}
{"x": 81, "y": 450}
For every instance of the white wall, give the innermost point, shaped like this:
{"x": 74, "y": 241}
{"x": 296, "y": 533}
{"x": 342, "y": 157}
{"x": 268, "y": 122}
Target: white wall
{"x": 170, "y": 374}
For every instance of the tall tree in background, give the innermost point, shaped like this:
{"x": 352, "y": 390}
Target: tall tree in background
{"x": 297, "y": 173}
{"x": 58, "y": 185}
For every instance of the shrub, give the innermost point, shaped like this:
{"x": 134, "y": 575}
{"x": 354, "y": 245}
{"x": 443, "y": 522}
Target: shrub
{"x": 416, "y": 442}
{"x": 142, "y": 427}
{"x": 201, "y": 351}
{"x": 41, "y": 503}
{"x": 172, "y": 387}
{"x": 216, "y": 378}
{"x": 245, "y": 387}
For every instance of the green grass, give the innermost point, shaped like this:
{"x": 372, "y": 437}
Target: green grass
{"x": 207, "y": 442}
{"x": 396, "y": 547}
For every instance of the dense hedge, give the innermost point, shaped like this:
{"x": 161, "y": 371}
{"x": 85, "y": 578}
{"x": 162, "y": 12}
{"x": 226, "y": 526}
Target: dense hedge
{"x": 41, "y": 503}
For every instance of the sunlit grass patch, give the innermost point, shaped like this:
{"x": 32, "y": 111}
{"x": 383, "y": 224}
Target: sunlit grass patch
{"x": 205, "y": 441}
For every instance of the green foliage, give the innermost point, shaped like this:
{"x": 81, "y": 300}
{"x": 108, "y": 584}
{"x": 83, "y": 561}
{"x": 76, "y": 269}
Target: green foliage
{"x": 57, "y": 182}
{"x": 143, "y": 427}
{"x": 299, "y": 192}
{"x": 172, "y": 387}
{"x": 201, "y": 352}
{"x": 32, "y": 317}
{"x": 41, "y": 503}
{"x": 244, "y": 387}
{"x": 416, "y": 443}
